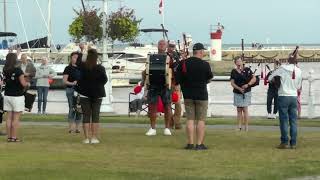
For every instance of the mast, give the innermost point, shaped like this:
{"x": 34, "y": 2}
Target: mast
{"x": 49, "y": 27}
{"x": 5, "y": 15}
{"x": 106, "y": 105}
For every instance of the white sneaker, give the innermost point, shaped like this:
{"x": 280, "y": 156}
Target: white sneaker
{"x": 274, "y": 116}
{"x": 95, "y": 141}
{"x": 167, "y": 132}
{"x": 151, "y": 132}
{"x": 86, "y": 141}
{"x": 269, "y": 116}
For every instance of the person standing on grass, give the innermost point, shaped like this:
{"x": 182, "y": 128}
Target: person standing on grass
{"x": 13, "y": 104}
{"x": 90, "y": 87}
{"x": 242, "y": 78}
{"x": 193, "y": 75}
{"x": 174, "y": 62}
{"x": 291, "y": 81}
{"x": 27, "y": 67}
{"x": 156, "y": 91}
{"x": 71, "y": 76}
{"x": 272, "y": 95}
{"x": 43, "y": 74}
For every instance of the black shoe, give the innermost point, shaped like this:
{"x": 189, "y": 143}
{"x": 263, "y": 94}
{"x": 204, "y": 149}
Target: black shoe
{"x": 77, "y": 131}
{"x": 70, "y": 131}
{"x": 201, "y": 147}
{"x": 189, "y": 147}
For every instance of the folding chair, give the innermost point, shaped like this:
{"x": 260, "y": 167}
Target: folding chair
{"x": 130, "y": 110}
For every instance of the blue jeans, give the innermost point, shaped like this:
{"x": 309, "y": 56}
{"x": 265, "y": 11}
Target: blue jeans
{"x": 288, "y": 116}
{"x": 42, "y": 98}
{"x": 73, "y": 116}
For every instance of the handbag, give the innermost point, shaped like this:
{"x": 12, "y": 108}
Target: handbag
{"x": 29, "y": 99}
{"x": 76, "y": 104}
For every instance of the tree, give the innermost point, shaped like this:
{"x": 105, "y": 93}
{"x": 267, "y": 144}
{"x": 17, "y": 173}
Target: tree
{"x": 123, "y": 25}
{"x": 87, "y": 25}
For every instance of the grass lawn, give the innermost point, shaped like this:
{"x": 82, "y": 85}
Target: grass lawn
{"x": 145, "y": 120}
{"x": 50, "y": 153}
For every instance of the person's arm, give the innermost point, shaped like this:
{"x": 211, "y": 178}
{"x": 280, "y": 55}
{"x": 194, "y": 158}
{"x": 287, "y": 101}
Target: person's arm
{"x": 52, "y": 73}
{"x": 233, "y": 84}
{"x": 209, "y": 73}
{"x": 38, "y": 74}
{"x": 68, "y": 83}
{"x": 22, "y": 81}
{"x": 32, "y": 72}
{"x": 103, "y": 78}
{"x": 277, "y": 72}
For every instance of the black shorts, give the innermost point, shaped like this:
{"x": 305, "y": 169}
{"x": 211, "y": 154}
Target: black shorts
{"x": 155, "y": 93}
{"x": 91, "y": 109}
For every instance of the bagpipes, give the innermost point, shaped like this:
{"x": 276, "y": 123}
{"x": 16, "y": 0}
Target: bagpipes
{"x": 292, "y": 58}
{"x": 257, "y": 82}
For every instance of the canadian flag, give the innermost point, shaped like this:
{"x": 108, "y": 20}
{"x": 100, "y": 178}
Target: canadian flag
{"x": 161, "y": 6}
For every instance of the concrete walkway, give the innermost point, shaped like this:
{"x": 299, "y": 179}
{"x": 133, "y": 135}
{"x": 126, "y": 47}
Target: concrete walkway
{"x": 145, "y": 126}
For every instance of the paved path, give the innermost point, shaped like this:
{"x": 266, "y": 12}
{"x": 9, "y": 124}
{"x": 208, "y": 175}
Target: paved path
{"x": 127, "y": 125}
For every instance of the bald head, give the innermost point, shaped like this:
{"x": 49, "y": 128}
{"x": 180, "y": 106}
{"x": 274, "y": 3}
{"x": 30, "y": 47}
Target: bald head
{"x": 162, "y": 46}
{"x": 24, "y": 58}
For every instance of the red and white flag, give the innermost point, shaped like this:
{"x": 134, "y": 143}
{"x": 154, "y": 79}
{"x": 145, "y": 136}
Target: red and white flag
{"x": 161, "y": 6}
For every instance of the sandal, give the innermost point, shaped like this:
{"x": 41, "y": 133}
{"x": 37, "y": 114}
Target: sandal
{"x": 9, "y": 140}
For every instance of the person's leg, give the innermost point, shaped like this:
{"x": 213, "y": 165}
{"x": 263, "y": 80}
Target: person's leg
{"x": 283, "y": 117}
{"x": 45, "y": 97}
{"x": 293, "y": 121}
{"x": 167, "y": 115}
{"x": 40, "y": 98}
{"x": 71, "y": 114}
{"x": 153, "y": 115}
{"x": 201, "y": 114}
{"x": 269, "y": 102}
{"x": 246, "y": 118}
{"x": 177, "y": 115}
{"x": 96, "y": 104}
{"x": 239, "y": 117}
{"x": 9, "y": 123}
{"x": 275, "y": 108}
{"x": 15, "y": 124}
{"x": 200, "y": 131}
{"x": 86, "y": 109}
{"x": 190, "y": 115}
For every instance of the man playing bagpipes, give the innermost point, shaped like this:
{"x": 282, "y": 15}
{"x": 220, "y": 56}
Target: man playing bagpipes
{"x": 288, "y": 78}
{"x": 157, "y": 79}
{"x": 176, "y": 91}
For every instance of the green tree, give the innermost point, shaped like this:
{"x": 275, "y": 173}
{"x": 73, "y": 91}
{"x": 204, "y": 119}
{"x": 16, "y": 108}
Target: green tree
{"x": 123, "y": 25}
{"x": 86, "y": 25}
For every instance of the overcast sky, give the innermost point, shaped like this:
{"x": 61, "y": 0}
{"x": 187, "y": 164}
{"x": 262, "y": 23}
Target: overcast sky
{"x": 280, "y": 21}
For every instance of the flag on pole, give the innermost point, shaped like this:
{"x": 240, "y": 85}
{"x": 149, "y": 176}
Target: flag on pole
{"x": 161, "y": 6}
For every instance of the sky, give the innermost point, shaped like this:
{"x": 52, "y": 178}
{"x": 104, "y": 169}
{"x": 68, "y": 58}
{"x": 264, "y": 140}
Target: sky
{"x": 275, "y": 21}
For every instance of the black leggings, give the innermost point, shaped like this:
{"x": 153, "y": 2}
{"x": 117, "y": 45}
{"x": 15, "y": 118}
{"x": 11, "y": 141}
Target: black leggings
{"x": 91, "y": 109}
{"x": 272, "y": 95}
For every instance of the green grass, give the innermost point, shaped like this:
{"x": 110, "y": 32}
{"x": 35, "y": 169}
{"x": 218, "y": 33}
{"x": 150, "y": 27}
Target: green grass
{"x": 50, "y": 153}
{"x": 145, "y": 120}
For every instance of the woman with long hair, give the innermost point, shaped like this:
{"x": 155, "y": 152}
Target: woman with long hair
{"x": 242, "y": 78}
{"x": 13, "y": 95}
{"x": 93, "y": 77}
{"x": 71, "y": 76}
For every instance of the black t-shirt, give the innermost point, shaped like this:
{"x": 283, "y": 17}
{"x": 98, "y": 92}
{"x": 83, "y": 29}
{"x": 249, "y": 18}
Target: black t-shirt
{"x": 242, "y": 78}
{"x": 13, "y": 86}
{"x": 73, "y": 73}
{"x": 272, "y": 86}
{"x": 194, "y": 81}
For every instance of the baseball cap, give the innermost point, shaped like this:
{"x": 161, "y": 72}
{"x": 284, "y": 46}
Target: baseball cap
{"x": 198, "y": 46}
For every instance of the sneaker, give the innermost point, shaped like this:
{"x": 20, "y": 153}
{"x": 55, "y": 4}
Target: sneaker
{"x": 201, "y": 147}
{"x": 151, "y": 132}
{"x": 293, "y": 146}
{"x": 77, "y": 131}
{"x": 86, "y": 141}
{"x": 269, "y": 116}
{"x": 44, "y": 113}
{"x": 283, "y": 146}
{"x": 189, "y": 147}
{"x": 70, "y": 131}
{"x": 274, "y": 116}
{"x": 39, "y": 112}
{"x": 95, "y": 141}
{"x": 167, "y": 132}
